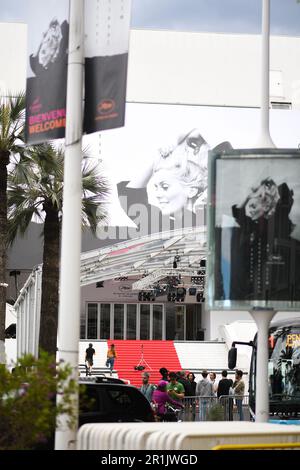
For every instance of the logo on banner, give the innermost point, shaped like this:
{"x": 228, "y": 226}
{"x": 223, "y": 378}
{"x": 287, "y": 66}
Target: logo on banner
{"x": 106, "y": 106}
{"x": 36, "y": 106}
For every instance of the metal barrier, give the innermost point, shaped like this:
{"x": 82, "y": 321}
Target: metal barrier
{"x": 199, "y": 408}
{"x": 225, "y": 408}
{"x": 236, "y": 408}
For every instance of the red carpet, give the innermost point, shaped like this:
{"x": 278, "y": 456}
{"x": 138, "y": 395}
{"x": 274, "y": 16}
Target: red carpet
{"x": 157, "y": 354}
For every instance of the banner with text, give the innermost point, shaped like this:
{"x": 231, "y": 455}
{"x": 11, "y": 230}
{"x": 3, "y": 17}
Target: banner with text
{"x": 107, "y": 27}
{"x": 46, "y": 85}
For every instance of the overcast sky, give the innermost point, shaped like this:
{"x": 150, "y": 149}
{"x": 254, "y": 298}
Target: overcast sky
{"x": 235, "y": 16}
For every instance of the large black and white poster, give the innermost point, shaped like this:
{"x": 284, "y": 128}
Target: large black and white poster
{"x": 156, "y": 168}
{"x": 256, "y": 228}
{"x": 107, "y": 25}
{"x": 48, "y": 37}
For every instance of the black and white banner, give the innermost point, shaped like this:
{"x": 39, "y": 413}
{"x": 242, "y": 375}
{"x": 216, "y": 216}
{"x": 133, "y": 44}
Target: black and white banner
{"x": 107, "y": 26}
{"x": 48, "y": 38}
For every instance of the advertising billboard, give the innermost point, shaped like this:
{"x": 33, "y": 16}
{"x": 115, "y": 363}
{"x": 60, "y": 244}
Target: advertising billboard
{"x": 156, "y": 164}
{"x": 156, "y": 167}
{"x": 254, "y": 229}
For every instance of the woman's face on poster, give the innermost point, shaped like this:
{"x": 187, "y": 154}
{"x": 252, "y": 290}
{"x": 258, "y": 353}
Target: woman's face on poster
{"x": 167, "y": 191}
{"x": 50, "y": 44}
{"x": 254, "y": 208}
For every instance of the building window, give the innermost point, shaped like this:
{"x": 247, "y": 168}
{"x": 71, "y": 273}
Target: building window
{"x": 105, "y": 321}
{"x": 119, "y": 321}
{"x": 145, "y": 321}
{"x": 131, "y": 321}
{"x": 92, "y": 317}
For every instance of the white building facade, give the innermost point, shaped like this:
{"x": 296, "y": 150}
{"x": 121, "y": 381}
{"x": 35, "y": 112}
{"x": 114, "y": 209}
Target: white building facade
{"x": 175, "y": 79}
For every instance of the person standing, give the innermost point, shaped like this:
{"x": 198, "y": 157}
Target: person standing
{"x": 223, "y": 391}
{"x": 160, "y": 398}
{"x": 89, "y": 355}
{"x": 111, "y": 357}
{"x": 213, "y": 378}
{"x": 191, "y": 378}
{"x": 164, "y": 374}
{"x": 204, "y": 391}
{"x": 147, "y": 389}
{"x": 188, "y": 390}
{"x": 239, "y": 389}
{"x": 175, "y": 388}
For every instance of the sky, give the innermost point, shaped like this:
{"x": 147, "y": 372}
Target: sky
{"x": 230, "y": 16}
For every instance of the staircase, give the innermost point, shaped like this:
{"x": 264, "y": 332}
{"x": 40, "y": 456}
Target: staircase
{"x": 210, "y": 355}
{"x": 156, "y": 354}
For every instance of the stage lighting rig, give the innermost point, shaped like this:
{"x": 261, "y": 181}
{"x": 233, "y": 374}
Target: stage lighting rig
{"x": 180, "y": 294}
{"x": 176, "y": 261}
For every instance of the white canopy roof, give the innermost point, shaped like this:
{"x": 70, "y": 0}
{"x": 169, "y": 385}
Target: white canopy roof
{"x": 152, "y": 255}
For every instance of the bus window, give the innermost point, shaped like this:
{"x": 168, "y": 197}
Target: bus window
{"x": 284, "y": 363}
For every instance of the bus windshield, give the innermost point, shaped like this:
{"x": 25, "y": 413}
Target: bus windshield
{"x": 284, "y": 363}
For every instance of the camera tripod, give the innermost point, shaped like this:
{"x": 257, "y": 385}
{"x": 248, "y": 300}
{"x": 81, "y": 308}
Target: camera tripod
{"x": 142, "y": 362}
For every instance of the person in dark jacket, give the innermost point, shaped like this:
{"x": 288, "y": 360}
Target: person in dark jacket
{"x": 224, "y": 385}
{"x": 191, "y": 378}
{"x": 265, "y": 259}
{"x": 223, "y": 391}
{"x": 188, "y": 390}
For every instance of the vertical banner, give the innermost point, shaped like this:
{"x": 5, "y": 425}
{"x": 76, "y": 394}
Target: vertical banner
{"x": 46, "y": 86}
{"x": 107, "y": 24}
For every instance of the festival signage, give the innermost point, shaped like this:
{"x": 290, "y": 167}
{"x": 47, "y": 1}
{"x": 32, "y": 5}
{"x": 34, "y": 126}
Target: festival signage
{"x": 47, "y": 71}
{"x": 107, "y": 25}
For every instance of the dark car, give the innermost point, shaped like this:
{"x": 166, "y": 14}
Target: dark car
{"x": 107, "y": 401}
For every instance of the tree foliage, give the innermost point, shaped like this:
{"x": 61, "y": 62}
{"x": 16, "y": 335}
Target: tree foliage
{"x": 28, "y": 409}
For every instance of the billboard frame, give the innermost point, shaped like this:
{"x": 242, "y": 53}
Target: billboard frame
{"x": 215, "y": 269}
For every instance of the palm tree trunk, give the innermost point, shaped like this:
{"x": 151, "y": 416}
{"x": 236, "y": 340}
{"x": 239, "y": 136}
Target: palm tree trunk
{"x": 4, "y": 160}
{"x": 50, "y": 282}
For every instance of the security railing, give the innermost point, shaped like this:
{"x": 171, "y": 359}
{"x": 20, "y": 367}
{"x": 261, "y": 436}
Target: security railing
{"x": 225, "y": 408}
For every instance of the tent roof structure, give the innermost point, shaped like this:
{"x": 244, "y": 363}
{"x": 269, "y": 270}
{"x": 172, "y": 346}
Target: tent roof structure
{"x": 151, "y": 256}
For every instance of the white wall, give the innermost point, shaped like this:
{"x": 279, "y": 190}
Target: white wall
{"x": 13, "y": 41}
{"x": 208, "y": 68}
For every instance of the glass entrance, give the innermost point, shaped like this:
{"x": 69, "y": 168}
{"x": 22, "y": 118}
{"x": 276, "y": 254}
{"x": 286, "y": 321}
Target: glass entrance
{"x": 131, "y": 321}
{"x": 144, "y": 321}
{"x": 119, "y": 321}
{"x": 157, "y": 319}
{"x": 105, "y": 321}
{"x": 175, "y": 322}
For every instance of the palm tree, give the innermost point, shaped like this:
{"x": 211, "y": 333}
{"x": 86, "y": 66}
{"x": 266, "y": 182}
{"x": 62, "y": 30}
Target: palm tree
{"x": 36, "y": 191}
{"x": 12, "y": 111}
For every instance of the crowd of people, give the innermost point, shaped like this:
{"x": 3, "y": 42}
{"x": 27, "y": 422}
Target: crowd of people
{"x": 170, "y": 393}
{"x": 173, "y": 388}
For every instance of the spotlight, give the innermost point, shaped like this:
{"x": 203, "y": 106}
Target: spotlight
{"x": 180, "y": 295}
{"x": 199, "y": 297}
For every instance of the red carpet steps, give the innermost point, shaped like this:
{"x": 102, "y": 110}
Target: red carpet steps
{"x": 156, "y": 353}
